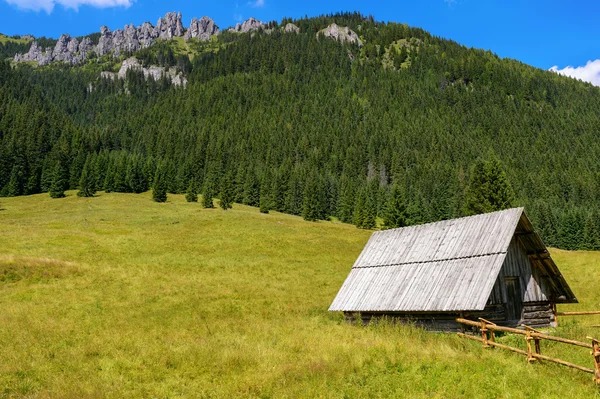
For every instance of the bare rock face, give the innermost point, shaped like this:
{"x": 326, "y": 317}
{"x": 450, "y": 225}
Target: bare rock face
{"x": 202, "y": 29}
{"x": 34, "y": 54}
{"x": 249, "y": 25}
{"x": 129, "y": 39}
{"x": 291, "y": 28}
{"x": 105, "y": 44}
{"x": 131, "y": 42}
{"x": 154, "y": 72}
{"x": 73, "y": 46}
{"x": 47, "y": 57}
{"x": 61, "y": 52}
{"x": 169, "y": 26}
{"x": 146, "y": 34}
{"x": 341, "y": 34}
{"x": 236, "y": 29}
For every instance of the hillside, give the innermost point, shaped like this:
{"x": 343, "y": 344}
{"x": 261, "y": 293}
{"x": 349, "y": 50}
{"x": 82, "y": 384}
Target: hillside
{"x": 309, "y": 125}
{"x": 117, "y": 296}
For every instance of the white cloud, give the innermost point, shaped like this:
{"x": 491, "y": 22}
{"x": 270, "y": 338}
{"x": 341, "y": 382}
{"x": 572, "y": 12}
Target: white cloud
{"x": 588, "y": 73}
{"x": 48, "y": 5}
{"x": 257, "y": 3}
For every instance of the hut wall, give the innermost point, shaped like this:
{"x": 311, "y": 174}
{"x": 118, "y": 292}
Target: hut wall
{"x": 534, "y": 287}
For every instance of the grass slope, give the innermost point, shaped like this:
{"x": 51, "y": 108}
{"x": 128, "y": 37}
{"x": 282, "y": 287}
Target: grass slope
{"x": 117, "y": 296}
{"x": 7, "y": 39}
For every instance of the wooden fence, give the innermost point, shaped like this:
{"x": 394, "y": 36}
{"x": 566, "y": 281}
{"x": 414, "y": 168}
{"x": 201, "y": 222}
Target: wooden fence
{"x": 533, "y": 352}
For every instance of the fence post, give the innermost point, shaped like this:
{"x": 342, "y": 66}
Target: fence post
{"x": 596, "y": 355}
{"x": 484, "y": 335}
{"x": 528, "y": 339}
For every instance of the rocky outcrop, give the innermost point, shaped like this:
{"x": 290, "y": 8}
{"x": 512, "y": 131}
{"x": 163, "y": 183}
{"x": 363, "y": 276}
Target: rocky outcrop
{"x": 291, "y": 28}
{"x": 341, "y": 34}
{"x": 127, "y": 40}
{"x": 249, "y": 25}
{"x": 146, "y": 34}
{"x": 154, "y": 72}
{"x": 202, "y": 29}
{"x": 169, "y": 26}
{"x": 34, "y": 54}
{"x": 61, "y": 49}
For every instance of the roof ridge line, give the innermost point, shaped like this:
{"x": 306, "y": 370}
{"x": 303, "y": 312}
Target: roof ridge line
{"x": 432, "y": 261}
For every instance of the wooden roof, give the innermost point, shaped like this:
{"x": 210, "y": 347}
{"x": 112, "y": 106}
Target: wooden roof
{"x": 445, "y": 266}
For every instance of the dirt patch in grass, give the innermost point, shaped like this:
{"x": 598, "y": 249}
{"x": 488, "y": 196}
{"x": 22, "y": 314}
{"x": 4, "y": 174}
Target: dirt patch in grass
{"x": 20, "y": 269}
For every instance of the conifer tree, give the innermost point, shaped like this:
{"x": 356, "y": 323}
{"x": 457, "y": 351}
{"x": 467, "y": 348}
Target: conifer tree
{"x": 313, "y": 194}
{"x": 135, "y": 177}
{"x": 251, "y": 189}
{"x": 489, "y": 189}
{"x": 395, "y": 209}
{"x": 191, "y": 194}
{"x": 59, "y": 181}
{"x": 159, "y": 186}
{"x": 591, "y": 232}
{"x": 226, "y": 195}
{"x": 370, "y": 213}
{"x": 266, "y": 201}
{"x": 208, "y": 194}
{"x": 346, "y": 199}
{"x": 87, "y": 181}
{"x": 15, "y": 186}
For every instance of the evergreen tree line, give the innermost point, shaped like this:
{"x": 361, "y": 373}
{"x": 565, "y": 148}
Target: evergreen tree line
{"x": 305, "y": 125}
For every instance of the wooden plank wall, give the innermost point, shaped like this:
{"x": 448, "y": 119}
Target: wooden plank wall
{"x": 517, "y": 264}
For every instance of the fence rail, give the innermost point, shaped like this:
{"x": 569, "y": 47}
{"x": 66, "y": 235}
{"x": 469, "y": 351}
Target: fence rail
{"x": 586, "y": 313}
{"x": 533, "y": 352}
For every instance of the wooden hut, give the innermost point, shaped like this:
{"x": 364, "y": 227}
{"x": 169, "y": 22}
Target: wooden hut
{"x": 493, "y": 266}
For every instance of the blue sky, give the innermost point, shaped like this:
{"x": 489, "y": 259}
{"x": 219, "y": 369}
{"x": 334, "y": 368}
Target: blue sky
{"x": 541, "y": 33}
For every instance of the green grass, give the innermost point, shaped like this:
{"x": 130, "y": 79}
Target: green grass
{"x": 117, "y": 296}
{"x": 5, "y": 39}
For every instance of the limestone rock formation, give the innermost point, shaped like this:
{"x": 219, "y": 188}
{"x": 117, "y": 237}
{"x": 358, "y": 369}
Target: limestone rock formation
{"x": 202, "y": 29}
{"x": 105, "y": 44}
{"x": 291, "y": 28}
{"x": 34, "y": 54}
{"x": 146, "y": 34}
{"x": 127, "y": 40}
{"x": 169, "y": 26}
{"x": 61, "y": 49}
{"x": 248, "y": 26}
{"x": 154, "y": 72}
{"x": 341, "y": 34}
{"x": 47, "y": 58}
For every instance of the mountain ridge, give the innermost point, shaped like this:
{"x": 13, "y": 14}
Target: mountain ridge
{"x": 310, "y": 126}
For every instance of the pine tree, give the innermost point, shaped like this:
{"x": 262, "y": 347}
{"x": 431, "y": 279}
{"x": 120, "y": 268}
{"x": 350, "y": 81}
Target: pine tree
{"x": 135, "y": 177}
{"x": 489, "y": 189}
{"x": 313, "y": 194}
{"x": 191, "y": 194}
{"x": 159, "y": 185}
{"x": 395, "y": 209}
{"x": 208, "y": 194}
{"x": 591, "y": 232}
{"x": 346, "y": 199}
{"x": 266, "y": 201}
{"x": 226, "y": 195}
{"x": 15, "y": 184}
{"x": 87, "y": 181}
{"x": 59, "y": 181}
{"x": 251, "y": 190}
{"x": 370, "y": 213}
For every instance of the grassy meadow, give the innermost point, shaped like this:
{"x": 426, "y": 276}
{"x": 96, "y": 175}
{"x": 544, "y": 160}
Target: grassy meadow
{"x": 118, "y": 297}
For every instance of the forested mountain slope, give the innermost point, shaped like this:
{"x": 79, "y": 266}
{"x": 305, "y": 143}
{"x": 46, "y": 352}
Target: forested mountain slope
{"x": 307, "y": 125}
